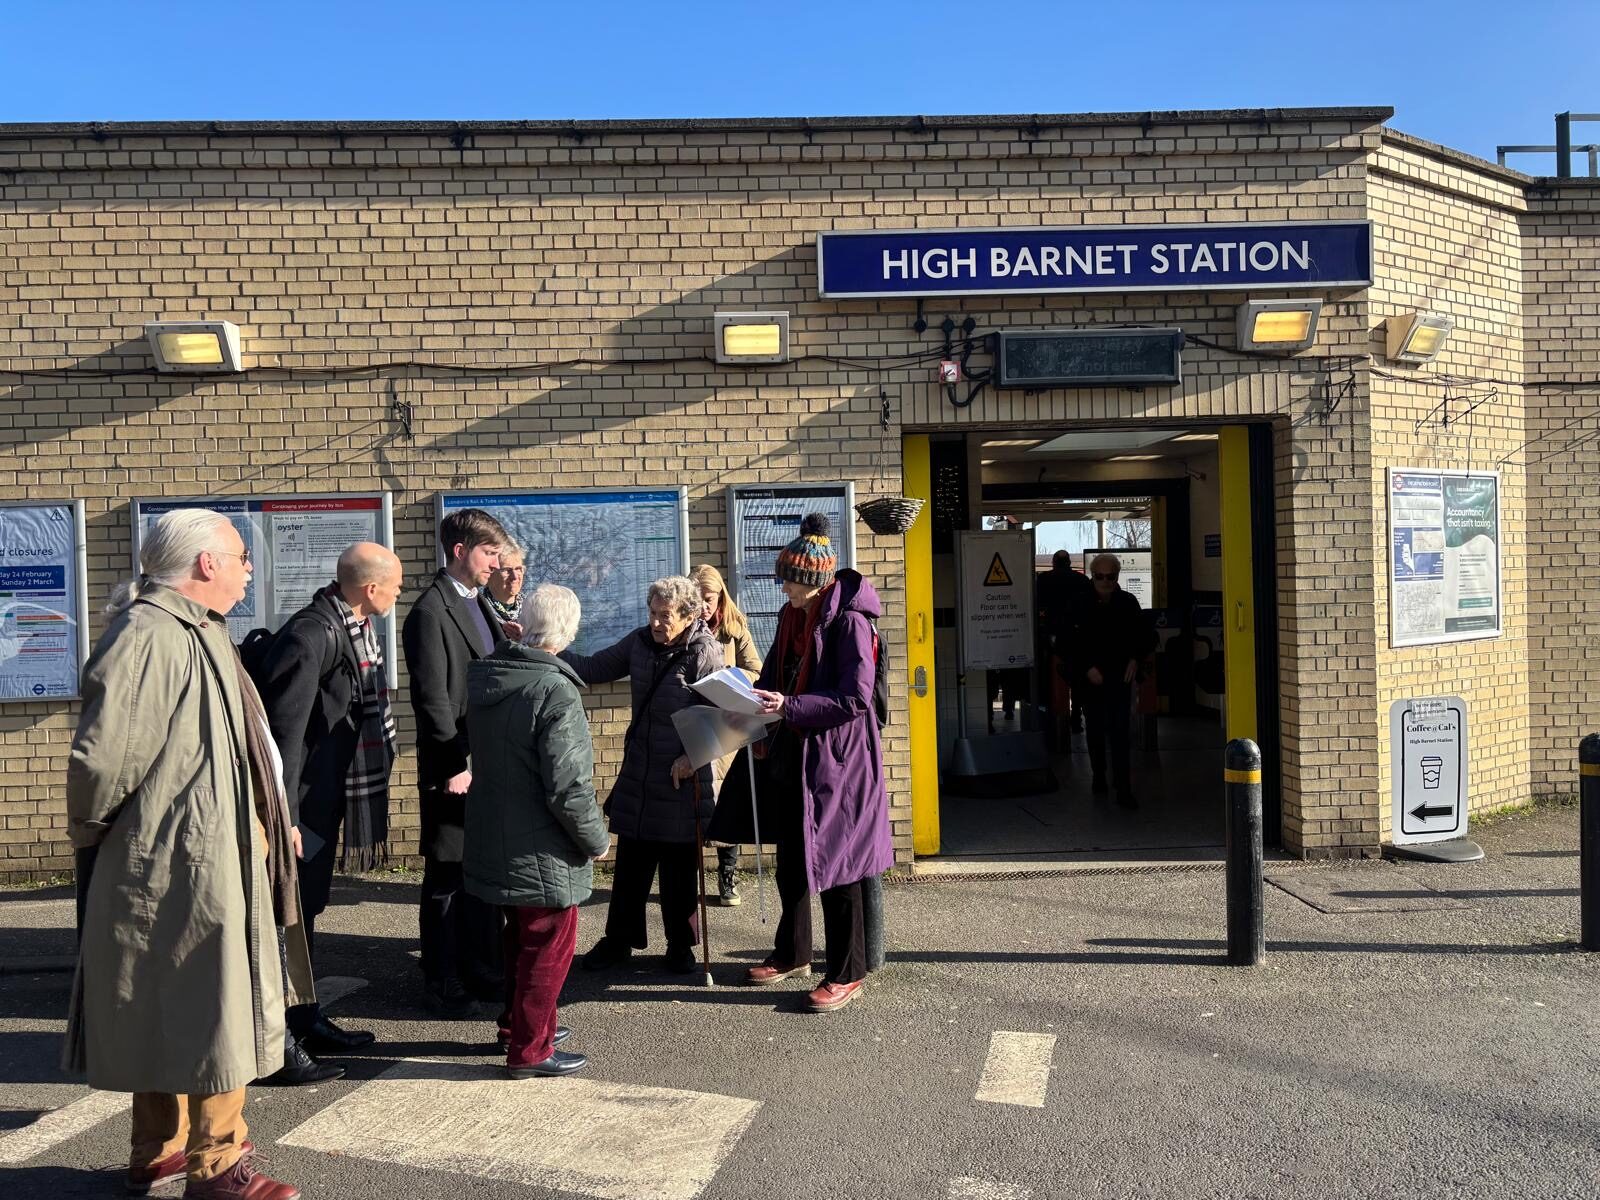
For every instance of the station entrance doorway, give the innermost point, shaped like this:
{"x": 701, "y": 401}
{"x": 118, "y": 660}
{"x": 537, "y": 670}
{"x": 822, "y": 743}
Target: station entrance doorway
{"x": 1003, "y": 764}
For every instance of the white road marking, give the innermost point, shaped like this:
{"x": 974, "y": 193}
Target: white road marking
{"x": 965, "y": 1187}
{"x": 610, "y": 1140}
{"x": 1017, "y": 1070}
{"x": 336, "y": 987}
{"x": 64, "y": 1124}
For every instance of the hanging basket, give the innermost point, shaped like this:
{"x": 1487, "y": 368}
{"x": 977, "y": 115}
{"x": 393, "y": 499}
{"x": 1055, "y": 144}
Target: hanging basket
{"x": 889, "y": 514}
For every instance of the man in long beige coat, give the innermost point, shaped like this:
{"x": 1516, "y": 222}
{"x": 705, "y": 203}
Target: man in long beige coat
{"x": 179, "y": 994}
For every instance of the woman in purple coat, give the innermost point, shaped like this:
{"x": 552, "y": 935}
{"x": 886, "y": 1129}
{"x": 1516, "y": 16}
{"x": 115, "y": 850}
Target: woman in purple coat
{"x": 826, "y": 763}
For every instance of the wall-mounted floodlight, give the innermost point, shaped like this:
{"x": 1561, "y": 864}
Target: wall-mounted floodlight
{"x": 1278, "y": 326}
{"x": 1417, "y": 337}
{"x": 194, "y": 347}
{"x": 758, "y": 337}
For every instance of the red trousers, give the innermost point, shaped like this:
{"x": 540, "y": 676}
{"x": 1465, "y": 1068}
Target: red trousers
{"x": 539, "y": 946}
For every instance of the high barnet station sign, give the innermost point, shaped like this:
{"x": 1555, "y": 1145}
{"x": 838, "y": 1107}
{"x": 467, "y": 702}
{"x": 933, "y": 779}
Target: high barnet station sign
{"x": 1111, "y": 258}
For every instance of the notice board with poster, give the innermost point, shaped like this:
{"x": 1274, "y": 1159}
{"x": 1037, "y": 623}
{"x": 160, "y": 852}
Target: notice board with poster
{"x": 294, "y": 544}
{"x": 607, "y": 545}
{"x": 995, "y": 617}
{"x": 762, "y": 520}
{"x": 1444, "y": 556}
{"x": 44, "y": 611}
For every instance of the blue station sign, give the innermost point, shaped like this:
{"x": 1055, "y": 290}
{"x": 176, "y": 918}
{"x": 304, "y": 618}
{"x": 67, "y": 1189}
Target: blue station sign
{"x": 1093, "y": 258}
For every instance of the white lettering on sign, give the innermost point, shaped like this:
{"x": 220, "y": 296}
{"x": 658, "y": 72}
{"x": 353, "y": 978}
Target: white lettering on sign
{"x": 936, "y": 263}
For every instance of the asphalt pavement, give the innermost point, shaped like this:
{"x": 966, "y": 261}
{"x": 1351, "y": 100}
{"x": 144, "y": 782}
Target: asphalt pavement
{"x": 1416, "y": 1030}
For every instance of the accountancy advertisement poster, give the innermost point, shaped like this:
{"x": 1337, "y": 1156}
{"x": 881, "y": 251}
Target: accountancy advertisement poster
{"x": 1444, "y": 556}
{"x": 43, "y": 613}
{"x": 294, "y": 544}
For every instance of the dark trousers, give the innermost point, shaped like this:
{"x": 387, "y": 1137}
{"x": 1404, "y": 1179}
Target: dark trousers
{"x": 1105, "y": 718}
{"x": 460, "y": 933}
{"x": 636, "y": 865}
{"x": 539, "y": 943}
{"x": 847, "y": 942}
{"x": 791, "y": 945}
{"x": 842, "y": 910}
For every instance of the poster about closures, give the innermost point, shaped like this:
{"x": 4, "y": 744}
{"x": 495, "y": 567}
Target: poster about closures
{"x": 761, "y": 522}
{"x": 607, "y": 546}
{"x": 996, "y": 618}
{"x": 1428, "y": 764}
{"x": 1444, "y": 560}
{"x": 294, "y": 544}
{"x": 43, "y": 640}
{"x": 1137, "y": 576}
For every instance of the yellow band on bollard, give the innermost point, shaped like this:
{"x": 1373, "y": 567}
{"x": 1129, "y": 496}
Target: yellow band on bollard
{"x": 1589, "y": 768}
{"x": 1232, "y": 776}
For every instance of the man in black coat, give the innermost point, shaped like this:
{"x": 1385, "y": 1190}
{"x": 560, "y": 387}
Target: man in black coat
{"x": 452, "y": 625}
{"x": 1110, "y": 636}
{"x": 324, "y": 686}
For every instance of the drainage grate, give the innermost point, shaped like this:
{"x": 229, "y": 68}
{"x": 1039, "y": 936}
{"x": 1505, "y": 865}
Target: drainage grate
{"x": 896, "y": 878}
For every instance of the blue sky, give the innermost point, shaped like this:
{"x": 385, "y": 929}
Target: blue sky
{"x": 1469, "y": 73}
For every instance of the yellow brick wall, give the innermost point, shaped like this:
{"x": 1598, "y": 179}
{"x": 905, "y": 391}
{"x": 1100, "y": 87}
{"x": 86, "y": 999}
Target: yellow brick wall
{"x": 1448, "y": 239}
{"x": 1561, "y": 264}
{"x": 339, "y": 251}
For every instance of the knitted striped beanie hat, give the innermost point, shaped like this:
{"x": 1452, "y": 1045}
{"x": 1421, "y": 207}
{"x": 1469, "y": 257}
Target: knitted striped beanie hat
{"x": 809, "y": 559}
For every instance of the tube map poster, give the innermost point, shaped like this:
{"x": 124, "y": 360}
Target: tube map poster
{"x": 1444, "y": 556}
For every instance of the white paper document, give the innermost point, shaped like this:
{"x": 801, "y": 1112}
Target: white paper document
{"x": 729, "y": 688}
{"x": 711, "y": 733}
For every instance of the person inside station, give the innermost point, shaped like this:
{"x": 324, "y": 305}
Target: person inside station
{"x": 1110, "y": 636}
{"x": 1058, "y": 592}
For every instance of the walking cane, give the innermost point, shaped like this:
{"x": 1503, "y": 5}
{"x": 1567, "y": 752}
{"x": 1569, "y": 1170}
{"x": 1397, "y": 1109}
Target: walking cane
{"x": 700, "y": 866}
{"x": 755, "y": 824}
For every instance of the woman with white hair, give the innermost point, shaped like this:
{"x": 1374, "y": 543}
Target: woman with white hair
{"x": 532, "y": 828}
{"x": 652, "y": 812}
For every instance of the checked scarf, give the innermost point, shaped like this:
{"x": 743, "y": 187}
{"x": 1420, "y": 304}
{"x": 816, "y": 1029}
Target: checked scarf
{"x": 366, "y": 785}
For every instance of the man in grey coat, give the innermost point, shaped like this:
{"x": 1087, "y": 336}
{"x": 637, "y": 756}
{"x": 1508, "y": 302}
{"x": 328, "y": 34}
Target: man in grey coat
{"x": 179, "y": 993}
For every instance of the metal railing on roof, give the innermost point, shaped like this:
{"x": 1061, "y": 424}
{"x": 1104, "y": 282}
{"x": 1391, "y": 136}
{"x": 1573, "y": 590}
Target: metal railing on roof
{"x": 1563, "y": 148}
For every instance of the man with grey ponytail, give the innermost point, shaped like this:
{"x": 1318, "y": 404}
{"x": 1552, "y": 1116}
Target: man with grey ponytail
{"x": 179, "y": 995}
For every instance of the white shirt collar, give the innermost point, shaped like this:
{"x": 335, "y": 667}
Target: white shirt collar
{"x": 465, "y": 592}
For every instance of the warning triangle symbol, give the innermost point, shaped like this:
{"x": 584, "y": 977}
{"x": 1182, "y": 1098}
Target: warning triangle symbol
{"x": 998, "y": 576}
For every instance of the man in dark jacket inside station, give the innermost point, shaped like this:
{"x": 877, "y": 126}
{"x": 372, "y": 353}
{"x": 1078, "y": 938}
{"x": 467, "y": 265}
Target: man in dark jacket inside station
{"x": 652, "y": 805}
{"x": 1110, "y": 636}
{"x": 449, "y": 627}
{"x": 325, "y": 688}
{"x": 533, "y": 829}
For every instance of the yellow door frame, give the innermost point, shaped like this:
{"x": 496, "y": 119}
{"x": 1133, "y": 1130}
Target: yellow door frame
{"x": 1238, "y": 584}
{"x": 917, "y": 476}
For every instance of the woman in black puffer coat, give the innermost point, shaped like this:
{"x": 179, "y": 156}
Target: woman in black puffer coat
{"x": 652, "y": 805}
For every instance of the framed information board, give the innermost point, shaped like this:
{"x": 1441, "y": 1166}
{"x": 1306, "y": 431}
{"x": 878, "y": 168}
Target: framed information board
{"x": 762, "y": 520}
{"x": 44, "y": 611}
{"x": 294, "y": 544}
{"x": 1444, "y": 556}
{"x": 607, "y": 545}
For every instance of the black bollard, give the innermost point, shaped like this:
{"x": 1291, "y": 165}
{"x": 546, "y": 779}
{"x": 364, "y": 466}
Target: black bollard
{"x": 872, "y": 920}
{"x": 1247, "y": 939}
{"x": 1589, "y": 839}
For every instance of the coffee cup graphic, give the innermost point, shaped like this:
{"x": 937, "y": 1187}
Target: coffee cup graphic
{"x": 1432, "y": 765}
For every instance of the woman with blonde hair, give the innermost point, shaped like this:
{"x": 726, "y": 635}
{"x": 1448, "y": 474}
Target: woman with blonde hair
{"x": 732, "y": 630}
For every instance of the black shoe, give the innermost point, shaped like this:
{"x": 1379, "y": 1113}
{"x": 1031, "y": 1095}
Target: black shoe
{"x": 562, "y": 1034}
{"x": 1098, "y": 786}
{"x": 1126, "y": 799}
{"x": 559, "y": 1063}
{"x": 299, "y": 1068}
{"x": 322, "y": 1036}
{"x": 606, "y": 953}
{"x": 449, "y": 1000}
{"x": 679, "y": 960}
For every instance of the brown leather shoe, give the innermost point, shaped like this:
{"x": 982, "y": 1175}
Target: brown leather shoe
{"x": 832, "y": 996}
{"x": 772, "y": 972}
{"x": 141, "y": 1179}
{"x": 240, "y": 1182}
